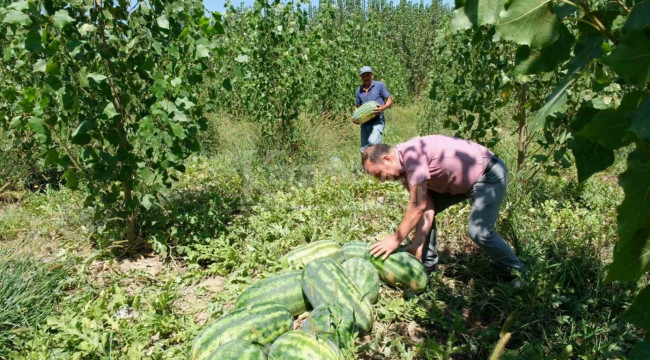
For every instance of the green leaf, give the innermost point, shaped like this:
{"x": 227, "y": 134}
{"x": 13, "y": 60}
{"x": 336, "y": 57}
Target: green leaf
{"x": 534, "y": 61}
{"x": 226, "y": 84}
{"x": 17, "y": 17}
{"x": 529, "y": 22}
{"x": 591, "y": 157}
{"x": 554, "y": 103}
{"x": 638, "y": 19}
{"x": 476, "y": 13}
{"x": 147, "y": 201}
{"x": 163, "y": 21}
{"x": 40, "y": 66}
{"x": 591, "y": 47}
{"x": 242, "y": 59}
{"x": 631, "y": 58}
{"x": 97, "y": 77}
{"x": 70, "y": 176}
{"x": 61, "y": 19}
{"x": 639, "y": 312}
{"x": 86, "y": 29}
{"x": 640, "y": 121}
{"x": 201, "y": 52}
{"x": 632, "y": 251}
{"x": 641, "y": 351}
{"x": 80, "y": 135}
{"x": 19, "y": 5}
{"x": 36, "y": 125}
{"x": 33, "y": 42}
{"x": 110, "y": 111}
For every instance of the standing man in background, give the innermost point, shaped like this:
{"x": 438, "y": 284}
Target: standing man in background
{"x": 371, "y": 90}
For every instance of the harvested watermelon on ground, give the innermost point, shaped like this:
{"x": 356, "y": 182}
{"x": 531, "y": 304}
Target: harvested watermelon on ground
{"x": 284, "y": 289}
{"x": 365, "y": 112}
{"x": 355, "y": 249}
{"x": 402, "y": 269}
{"x": 258, "y": 323}
{"x": 333, "y": 322}
{"x": 324, "y": 282}
{"x": 302, "y": 345}
{"x": 237, "y": 350}
{"x": 364, "y": 274}
{"x": 303, "y": 255}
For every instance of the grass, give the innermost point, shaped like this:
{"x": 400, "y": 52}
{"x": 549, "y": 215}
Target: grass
{"x": 238, "y": 209}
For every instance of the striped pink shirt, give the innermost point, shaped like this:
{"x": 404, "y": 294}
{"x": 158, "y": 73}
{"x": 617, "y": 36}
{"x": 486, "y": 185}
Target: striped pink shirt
{"x": 447, "y": 164}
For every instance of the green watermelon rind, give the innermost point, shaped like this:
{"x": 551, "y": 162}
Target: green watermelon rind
{"x": 284, "y": 289}
{"x": 355, "y": 249}
{"x": 301, "y": 345}
{"x": 237, "y": 350}
{"x": 333, "y": 322}
{"x": 365, "y": 112}
{"x": 401, "y": 269}
{"x": 324, "y": 281}
{"x": 365, "y": 275}
{"x": 260, "y": 323}
{"x": 303, "y": 255}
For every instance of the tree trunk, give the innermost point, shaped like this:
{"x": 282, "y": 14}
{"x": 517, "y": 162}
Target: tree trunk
{"x": 521, "y": 150}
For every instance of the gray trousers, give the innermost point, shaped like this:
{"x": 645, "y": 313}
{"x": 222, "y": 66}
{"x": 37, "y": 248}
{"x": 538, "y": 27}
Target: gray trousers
{"x": 371, "y": 132}
{"x": 486, "y": 196}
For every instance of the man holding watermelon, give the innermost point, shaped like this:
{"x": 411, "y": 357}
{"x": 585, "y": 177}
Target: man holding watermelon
{"x": 440, "y": 171}
{"x": 371, "y": 90}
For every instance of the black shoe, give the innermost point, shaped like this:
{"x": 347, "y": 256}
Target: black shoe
{"x": 431, "y": 269}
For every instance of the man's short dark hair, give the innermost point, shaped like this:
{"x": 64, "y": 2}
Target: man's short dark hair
{"x": 374, "y": 153}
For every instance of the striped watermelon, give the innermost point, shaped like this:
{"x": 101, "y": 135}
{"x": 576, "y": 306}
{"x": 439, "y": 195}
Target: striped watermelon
{"x": 237, "y": 350}
{"x": 301, "y": 345}
{"x": 284, "y": 289}
{"x": 355, "y": 249}
{"x": 402, "y": 269}
{"x": 364, "y": 113}
{"x": 364, "y": 274}
{"x": 258, "y": 323}
{"x": 324, "y": 281}
{"x": 333, "y": 322}
{"x": 303, "y": 255}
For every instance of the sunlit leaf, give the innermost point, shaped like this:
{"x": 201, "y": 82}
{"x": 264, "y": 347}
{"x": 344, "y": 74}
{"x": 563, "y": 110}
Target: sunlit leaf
{"x": 476, "y": 13}
{"x": 529, "y": 22}
{"x": 17, "y": 17}
{"x": 62, "y": 18}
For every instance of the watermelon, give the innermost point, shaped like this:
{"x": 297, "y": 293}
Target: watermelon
{"x": 237, "y": 350}
{"x": 355, "y": 249}
{"x": 284, "y": 289}
{"x": 303, "y": 255}
{"x": 301, "y": 345}
{"x": 402, "y": 269}
{"x": 258, "y": 323}
{"x": 364, "y": 274}
{"x": 365, "y": 112}
{"x": 333, "y": 322}
{"x": 324, "y": 281}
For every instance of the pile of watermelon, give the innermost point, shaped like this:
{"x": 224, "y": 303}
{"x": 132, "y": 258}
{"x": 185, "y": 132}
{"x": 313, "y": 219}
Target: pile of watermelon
{"x": 337, "y": 285}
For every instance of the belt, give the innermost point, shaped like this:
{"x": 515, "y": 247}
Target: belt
{"x": 492, "y": 162}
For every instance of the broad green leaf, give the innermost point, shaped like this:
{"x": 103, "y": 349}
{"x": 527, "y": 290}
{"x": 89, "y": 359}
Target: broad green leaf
{"x": 632, "y": 251}
{"x": 80, "y": 135}
{"x": 640, "y": 121}
{"x": 591, "y": 157}
{"x": 639, "y": 18}
{"x": 163, "y": 21}
{"x": 529, "y": 22}
{"x": 40, "y": 66}
{"x": 62, "y": 18}
{"x": 19, "y": 5}
{"x": 17, "y": 17}
{"x": 36, "y": 125}
{"x": 147, "y": 201}
{"x": 641, "y": 351}
{"x": 201, "y": 52}
{"x": 591, "y": 47}
{"x": 639, "y": 312}
{"x": 97, "y": 77}
{"x": 609, "y": 126}
{"x": 554, "y": 103}
{"x": 631, "y": 58}
{"x": 86, "y": 29}
{"x": 476, "y": 13}
{"x": 533, "y": 61}
{"x": 70, "y": 176}
{"x": 242, "y": 59}
{"x": 110, "y": 111}
{"x": 33, "y": 42}
{"x": 226, "y": 84}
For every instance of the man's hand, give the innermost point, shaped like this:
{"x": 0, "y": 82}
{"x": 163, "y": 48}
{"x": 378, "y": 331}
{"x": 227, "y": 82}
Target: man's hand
{"x": 385, "y": 247}
{"x": 354, "y": 121}
{"x": 378, "y": 109}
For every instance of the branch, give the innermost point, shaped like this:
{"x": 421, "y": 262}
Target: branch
{"x": 599, "y": 24}
{"x": 625, "y": 8}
